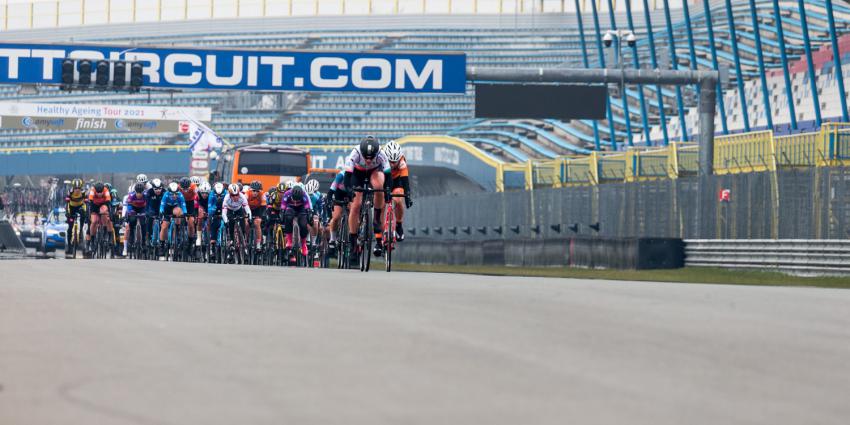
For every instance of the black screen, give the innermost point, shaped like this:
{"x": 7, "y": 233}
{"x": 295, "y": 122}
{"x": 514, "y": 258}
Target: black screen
{"x": 541, "y": 101}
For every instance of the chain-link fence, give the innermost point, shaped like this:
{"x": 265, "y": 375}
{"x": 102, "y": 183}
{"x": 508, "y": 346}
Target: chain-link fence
{"x": 790, "y": 203}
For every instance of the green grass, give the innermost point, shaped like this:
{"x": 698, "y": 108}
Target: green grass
{"x": 683, "y": 275}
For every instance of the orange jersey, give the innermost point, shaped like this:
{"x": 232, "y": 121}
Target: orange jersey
{"x": 100, "y": 198}
{"x": 400, "y": 168}
{"x": 256, "y": 198}
{"x": 190, "y": 194}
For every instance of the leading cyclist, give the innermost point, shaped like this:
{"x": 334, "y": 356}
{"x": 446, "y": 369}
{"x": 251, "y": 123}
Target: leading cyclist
{"x": 361, "y": 166}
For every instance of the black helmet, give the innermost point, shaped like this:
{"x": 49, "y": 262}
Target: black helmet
{"x": 256, "y": 185}
{"x": 185, "y": 183}
{"x": 98, "y": 187}
{"x": 369, "y": 147}
{"x": 139, "y": 187}
{"x": 297, "y": 192}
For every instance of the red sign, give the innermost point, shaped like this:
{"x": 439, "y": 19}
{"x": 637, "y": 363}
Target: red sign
{"x": 725, "y": 195}
{"x": 184, "y": 126}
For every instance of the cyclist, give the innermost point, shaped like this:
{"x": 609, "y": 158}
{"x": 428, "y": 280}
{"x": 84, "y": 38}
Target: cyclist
{"x": 214, "y": 206}
{"x": 190, "y": 195}
{"x": 359, "y": 169}
{"x": 99, "y": 201}
{"x": 115, "y": 210}
{"x": 172, "y": 204}
{"x": 401, "y": 184}
{"x": 141, "y": 178}
{"x": 135, "y": 204}
{"x": 337, "y": 196}
{"x": 203, "y": 205}
{"x": 75, "y": 203}
{"x": 313, "y": 222}
{"x": 234, "y": 207}
{"x": 154, "y": 196}
{"x": 296, "y": 205}
{"x": 272, "y": 213}
{"x": 257, "y": 203}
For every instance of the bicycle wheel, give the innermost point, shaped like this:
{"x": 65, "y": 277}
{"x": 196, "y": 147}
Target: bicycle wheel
{"x": 389, "y": 237}
{"x": 366, "y": 235}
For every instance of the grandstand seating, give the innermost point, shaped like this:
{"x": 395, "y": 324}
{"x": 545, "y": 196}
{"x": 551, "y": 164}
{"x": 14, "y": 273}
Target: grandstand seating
{"x": 341, "y": 118}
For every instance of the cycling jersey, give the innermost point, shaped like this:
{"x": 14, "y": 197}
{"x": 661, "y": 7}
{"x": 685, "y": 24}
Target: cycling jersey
{"x": 356, "y": 161}
{"x": 400, "y": 169}
{"x": 134, "y": 203}
{"x": 154, "y": 201}
{"x": 256, "y": 198}
{"x": 170, "y": 201}
{"x": 75, "y": 198}
{"x": 190, "y": 194}
{"x": 100, "y": 198}
{"x": 230, "y": 204}
{"x": 214, "y": 203}
{"x": 339, "y": 181}
{"x": 290, "y": 202}
{"x": 316, "y": 201}
{"x": 273, "y": 200}
{"x": 203, "y": 204}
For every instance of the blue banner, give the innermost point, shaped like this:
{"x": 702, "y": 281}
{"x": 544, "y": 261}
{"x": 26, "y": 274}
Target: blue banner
{"x": 184, "y": 68}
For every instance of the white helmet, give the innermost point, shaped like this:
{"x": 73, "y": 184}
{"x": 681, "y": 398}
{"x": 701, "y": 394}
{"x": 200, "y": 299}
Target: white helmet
{"x": 290, "y": 184}
{"x": 246, "y": 189}
{"x": 195, "y": 179}
{"x": 204, "y": 187}
{"x": 156, "y": 184}
{"x": 392, "y": 151}
{"x": 141, "y": 178}
{"x": 173, "y": 186}
{"x": 312, "y": 186}
{"x": 219, "y": 188}
{"x": 233, "y": 189}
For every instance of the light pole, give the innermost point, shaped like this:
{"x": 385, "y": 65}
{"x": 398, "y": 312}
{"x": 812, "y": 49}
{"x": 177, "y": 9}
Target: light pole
{"x": 608, "y": 39}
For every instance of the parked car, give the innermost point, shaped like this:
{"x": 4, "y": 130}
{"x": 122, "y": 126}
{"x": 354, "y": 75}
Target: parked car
{"x": 27, "y": 228}
{"x": 54, "y": 231}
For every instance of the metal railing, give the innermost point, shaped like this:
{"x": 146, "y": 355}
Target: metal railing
{"x": 738, "y": 153}
{"x": 803, "y": 256}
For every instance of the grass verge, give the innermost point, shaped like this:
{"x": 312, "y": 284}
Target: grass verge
{"x": 683, "y": 275}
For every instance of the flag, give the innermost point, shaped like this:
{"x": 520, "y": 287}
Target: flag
{"x": 203, "y": 138}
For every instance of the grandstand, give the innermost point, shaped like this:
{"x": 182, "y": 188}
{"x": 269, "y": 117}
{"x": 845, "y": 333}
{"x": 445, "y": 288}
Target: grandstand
{"x": 707, "y": 35}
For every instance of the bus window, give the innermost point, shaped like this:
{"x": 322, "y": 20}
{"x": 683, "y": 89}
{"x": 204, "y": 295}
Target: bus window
{"x": 272, "y": 164}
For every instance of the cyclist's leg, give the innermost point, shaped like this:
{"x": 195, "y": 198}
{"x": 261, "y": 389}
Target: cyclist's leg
{"x": 288, "y": 216}
{"x": 377, "y": 182}
{"x": 94, "y": 220}
{"x": 398, "y": 204}
{"x": 303, "y": 230}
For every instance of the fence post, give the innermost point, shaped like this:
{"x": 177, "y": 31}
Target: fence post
{"x": 529, "y": 175}
{"x": 500, "y": 177}
{"x": 593, "y": 167}
{"x": 632, "y": 157}
{"x": 673, "y": 160}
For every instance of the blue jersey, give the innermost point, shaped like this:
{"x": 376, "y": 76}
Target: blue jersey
{"x": 339, "y": 181}
{"x": 214, "y": 203}
{"x": 316, "y": 201}
{"x": 169, "y": 200}
{"x": 154, "y": 202}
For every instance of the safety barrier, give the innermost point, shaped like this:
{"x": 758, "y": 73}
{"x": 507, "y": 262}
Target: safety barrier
{"x": 10, "y": 244}
{"x": 733, "y": 154}
{"x": 803, "y": 256}
{"x": 584, "y": 252}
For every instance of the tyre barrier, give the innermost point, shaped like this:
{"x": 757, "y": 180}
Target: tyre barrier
{"x": 604, "y": 253}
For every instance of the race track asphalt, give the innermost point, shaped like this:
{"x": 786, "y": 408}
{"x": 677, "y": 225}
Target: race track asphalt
{"x": 132, "y": 342}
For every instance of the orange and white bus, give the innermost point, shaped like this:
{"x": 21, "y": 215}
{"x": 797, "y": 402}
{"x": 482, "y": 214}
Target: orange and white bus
{"x": 267, "y": 163}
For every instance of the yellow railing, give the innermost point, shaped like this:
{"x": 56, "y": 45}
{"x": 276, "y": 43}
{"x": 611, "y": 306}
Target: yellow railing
{"x": 738, "y": 153}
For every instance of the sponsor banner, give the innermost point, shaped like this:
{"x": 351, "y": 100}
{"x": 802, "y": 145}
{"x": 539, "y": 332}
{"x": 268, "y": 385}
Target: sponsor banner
{"x": 255, "y": 70}
{"x": 117, "y": 112}
{"x": 200, "y": 164}
{"x": 104, "y": 124}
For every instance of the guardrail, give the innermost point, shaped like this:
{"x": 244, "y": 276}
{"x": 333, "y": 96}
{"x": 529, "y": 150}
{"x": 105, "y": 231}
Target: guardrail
{"x": 802, "y": 256}
{"x": 736, "y": 153}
